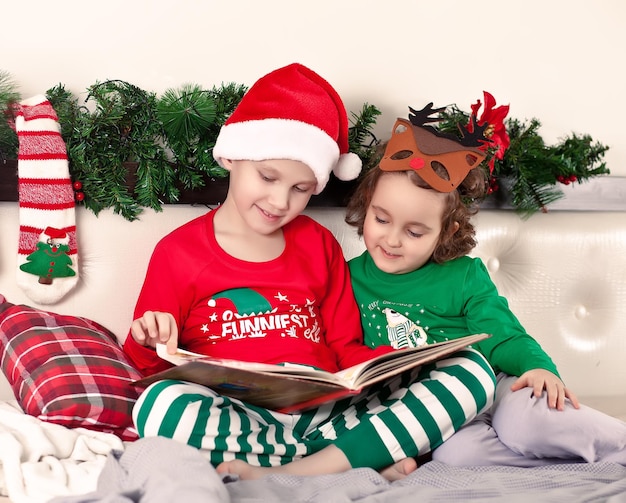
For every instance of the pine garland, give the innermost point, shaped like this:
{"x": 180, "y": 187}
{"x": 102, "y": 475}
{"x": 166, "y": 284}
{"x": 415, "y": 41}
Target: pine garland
{"x": 531, "y": 171}
{"x": 124, "y": 127}
{"x": 168, "y": 141}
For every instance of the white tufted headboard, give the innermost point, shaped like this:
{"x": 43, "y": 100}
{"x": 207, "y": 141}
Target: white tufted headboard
{"x": 563, "y": 272}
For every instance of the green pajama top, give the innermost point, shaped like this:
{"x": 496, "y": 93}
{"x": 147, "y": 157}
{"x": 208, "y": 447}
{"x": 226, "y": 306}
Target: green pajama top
{"x": 448, "y": 301}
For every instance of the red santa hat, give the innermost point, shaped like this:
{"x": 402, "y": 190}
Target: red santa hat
{"x": 291, "y": 113}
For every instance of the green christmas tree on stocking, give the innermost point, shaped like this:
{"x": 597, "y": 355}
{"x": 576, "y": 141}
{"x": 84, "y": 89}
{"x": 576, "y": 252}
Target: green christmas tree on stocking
{"x": 50, "y": 260}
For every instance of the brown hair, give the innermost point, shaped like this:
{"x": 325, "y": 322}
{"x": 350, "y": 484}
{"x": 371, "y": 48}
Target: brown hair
{"x": 461, "y": 205}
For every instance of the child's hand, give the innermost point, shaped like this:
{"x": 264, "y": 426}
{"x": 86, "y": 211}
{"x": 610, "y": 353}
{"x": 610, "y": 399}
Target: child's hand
{"x": 540, "y": 379}
{"x": 153, "y": 327}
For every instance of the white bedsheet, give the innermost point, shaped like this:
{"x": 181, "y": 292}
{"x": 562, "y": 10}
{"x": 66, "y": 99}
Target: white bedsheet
{"x": 41, "y": 460}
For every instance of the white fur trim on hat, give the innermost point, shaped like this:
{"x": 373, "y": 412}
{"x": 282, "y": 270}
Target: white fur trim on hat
{"x": 259, "y": 140}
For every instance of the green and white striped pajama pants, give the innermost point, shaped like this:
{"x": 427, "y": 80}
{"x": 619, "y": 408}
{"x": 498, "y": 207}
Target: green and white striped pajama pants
{"x": 408, "y": 416}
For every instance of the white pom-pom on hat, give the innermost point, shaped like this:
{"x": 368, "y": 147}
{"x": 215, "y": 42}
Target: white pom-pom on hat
{"x": 348, "y": 166}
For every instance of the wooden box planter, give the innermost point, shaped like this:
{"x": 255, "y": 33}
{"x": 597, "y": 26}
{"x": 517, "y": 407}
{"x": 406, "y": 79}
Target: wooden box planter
{"x": 214, "y": 192}
{"x": 8, "y": 180}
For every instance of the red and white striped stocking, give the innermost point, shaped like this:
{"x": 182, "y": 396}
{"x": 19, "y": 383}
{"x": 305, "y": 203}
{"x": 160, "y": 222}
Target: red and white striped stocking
{"x": 47, "y": 250}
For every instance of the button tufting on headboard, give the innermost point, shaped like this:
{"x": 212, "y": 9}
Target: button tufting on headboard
{"x": 581, "y": 312}
{"x": 493, "y": 264}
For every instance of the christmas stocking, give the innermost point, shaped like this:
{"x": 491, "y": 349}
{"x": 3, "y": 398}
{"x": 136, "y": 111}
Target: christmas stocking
{"x": 47, "y": 251}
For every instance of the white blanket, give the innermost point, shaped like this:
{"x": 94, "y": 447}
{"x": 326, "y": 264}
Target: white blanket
{"x": 42, "y": 460}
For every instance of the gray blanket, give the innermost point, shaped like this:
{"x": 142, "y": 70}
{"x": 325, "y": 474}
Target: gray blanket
{"x": 437, "y": 482}
{"x": 156, "y": 470}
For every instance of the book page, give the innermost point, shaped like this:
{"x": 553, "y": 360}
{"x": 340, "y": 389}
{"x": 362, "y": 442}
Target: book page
{"x": 381, "y": 367}
{"x": 183, "y": 356}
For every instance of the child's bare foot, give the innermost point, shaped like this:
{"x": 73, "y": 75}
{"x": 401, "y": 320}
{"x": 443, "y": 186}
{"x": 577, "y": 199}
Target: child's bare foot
{"x": 244, "y": 470}
{"x": 399, "y": 469}
{"x": 329, "y": 460}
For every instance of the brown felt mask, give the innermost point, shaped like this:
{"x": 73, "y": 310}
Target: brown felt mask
{"x": 418, "y": 148}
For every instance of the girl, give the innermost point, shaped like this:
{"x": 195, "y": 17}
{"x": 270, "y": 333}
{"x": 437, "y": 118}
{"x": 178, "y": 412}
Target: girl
{"x": 415, "y": 266}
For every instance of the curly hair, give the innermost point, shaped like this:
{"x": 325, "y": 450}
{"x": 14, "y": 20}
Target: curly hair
{"x": 461, "y": 205}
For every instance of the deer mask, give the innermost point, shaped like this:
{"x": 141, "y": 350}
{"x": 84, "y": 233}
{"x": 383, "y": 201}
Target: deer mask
{"x": 413, "y": 145}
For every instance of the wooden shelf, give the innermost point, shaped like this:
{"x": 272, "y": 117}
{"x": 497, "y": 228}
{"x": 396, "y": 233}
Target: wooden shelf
{"x": 603, "y": 193}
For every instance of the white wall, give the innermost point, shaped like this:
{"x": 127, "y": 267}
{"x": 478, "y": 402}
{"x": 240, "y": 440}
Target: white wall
{"x": 558, "y": 60}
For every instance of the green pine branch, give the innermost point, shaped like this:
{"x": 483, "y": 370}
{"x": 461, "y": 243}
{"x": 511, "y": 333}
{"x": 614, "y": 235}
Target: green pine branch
{"x": 8, "y": 96}
{"x": 537, "y": 170}
{"x": 361, "y": 138}
{"x": 192, "y": 118}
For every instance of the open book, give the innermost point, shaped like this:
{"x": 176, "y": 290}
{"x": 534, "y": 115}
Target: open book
{"x": 290, "y": 387}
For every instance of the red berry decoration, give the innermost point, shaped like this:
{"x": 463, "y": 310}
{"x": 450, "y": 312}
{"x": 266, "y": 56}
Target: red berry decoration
{"x": 80, "y": 196}
{"x": 77, "y": 185}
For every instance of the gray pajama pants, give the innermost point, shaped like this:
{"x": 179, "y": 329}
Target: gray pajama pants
{"x": 521, "y": 430}
{"x": 408, "y": 416}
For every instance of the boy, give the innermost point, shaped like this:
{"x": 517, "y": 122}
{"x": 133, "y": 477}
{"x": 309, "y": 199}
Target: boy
{"x": 255, "y": 280}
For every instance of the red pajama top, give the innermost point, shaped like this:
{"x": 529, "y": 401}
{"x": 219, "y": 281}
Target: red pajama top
{"x": 296, "y": 308}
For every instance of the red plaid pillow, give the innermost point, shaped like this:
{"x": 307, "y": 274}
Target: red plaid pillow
{"x": 67, "y": 370}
